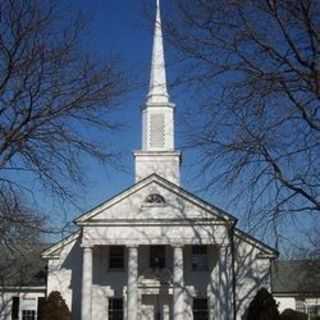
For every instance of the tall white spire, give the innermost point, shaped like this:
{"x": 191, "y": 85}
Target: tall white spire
{"x": 158, "y": 92}
{"x": 158, "y": 154}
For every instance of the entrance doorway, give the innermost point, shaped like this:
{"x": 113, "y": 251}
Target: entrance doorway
{"x": 155, "y": 307}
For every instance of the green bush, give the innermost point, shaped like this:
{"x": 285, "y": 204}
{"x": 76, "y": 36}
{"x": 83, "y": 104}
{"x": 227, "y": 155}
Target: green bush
{"x": 263, "y": 307}
{"x": 55, "y": 308}
{"x": 290, "y": 314}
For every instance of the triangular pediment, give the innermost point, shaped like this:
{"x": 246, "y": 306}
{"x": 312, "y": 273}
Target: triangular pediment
{"x": 154, "y": 199}
{"x": 139, "y": 205}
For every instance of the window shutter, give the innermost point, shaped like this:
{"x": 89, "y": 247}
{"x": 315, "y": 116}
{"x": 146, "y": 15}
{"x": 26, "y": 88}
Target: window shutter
{"x": 41, "y": 302}
{"x": 15, "y": 308}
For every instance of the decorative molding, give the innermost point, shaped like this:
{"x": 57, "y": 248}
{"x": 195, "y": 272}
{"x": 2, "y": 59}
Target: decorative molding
{"x": 154, "y": 222}
{"x": 135, "y": 242}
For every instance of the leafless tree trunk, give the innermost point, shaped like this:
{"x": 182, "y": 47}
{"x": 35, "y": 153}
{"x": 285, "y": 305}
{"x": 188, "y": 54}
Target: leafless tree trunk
{"x": 54, "y": 98}
{"x": 257, "y": 62}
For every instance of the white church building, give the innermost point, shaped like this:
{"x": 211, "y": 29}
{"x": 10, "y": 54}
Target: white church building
{"x": 156, "y": 251}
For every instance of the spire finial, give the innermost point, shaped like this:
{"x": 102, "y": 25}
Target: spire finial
{"x": 158, "y": 92}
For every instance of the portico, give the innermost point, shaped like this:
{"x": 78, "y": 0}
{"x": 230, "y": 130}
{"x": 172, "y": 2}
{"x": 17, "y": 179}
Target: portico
{"x": 165, "y": 282}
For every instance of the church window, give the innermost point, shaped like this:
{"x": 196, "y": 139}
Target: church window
{"x": 28, "y": 315}
{"x": 115, "y": 309}
{"x": 116, "y": 257}
{"x": 300, "y": 305}
{"x": 15, "y": 308}
{"x": 157, "y": 257}
{"x": 200, "y": 309}
{"x": 155, "y": 198}
{"x": 200, "y": 258}
{"x": 313, "y": 311}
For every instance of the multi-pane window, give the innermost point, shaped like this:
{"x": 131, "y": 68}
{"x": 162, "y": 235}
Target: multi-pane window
{"x": 200, "y": 309}
{"x": 200, "y": 258}
{"x": 115, "y": 309}
{"x": 116, "y": 258}
{"x": 28, "y": 315}
{"x": 157, "y": 257}
{"x": 300, "y": 305}
{"x": 15, "y": 308}
{"x": 314, "y": 312}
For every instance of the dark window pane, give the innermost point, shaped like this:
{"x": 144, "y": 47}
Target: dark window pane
{"x": 198, "y": 249}
{"x": 15, "y": 308}
{"x": 200, "y": 309}
{"x": 157, "y": 257}
{"x": 115, "y": 309}
{"x": 41, "y": 302}
{"x": 199, "y": 258}
{"x": 200, "y": 304}
{"x": 116, "y": 260}
{"x": 314, "y": 312}
{"x": 28, "y": 315}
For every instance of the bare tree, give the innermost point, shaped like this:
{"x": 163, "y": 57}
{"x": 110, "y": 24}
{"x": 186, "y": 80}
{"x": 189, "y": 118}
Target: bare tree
{"x": 257, "y": 65}
{"x": 54, "y": 98}
{"x": 21, "y": 241}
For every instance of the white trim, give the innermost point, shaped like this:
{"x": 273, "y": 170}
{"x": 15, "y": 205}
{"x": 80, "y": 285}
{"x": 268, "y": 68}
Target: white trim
{"x": 268, "y": 252}
{"x": 152, "y": 222}
{"x": 22, "y": 288}
{"x": 52, "y": 253}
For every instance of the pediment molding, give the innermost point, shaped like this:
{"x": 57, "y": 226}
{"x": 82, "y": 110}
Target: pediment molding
{"x": 154, "y": 179}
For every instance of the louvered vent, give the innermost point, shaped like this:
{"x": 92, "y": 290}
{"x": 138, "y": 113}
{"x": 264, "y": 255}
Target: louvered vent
{"x": 157, "y": 134}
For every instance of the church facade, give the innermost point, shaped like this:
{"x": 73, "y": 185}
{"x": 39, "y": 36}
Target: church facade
{"x": 156, "y": 251}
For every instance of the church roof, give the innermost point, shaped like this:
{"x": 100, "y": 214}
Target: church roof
{"x": 296, "y": 277}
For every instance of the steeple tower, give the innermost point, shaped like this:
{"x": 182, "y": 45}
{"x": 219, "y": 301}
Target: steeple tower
{"x": 158, "y": 153}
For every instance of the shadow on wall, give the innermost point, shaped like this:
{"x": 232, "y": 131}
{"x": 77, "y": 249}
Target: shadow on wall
{"x": 73, "y": 263}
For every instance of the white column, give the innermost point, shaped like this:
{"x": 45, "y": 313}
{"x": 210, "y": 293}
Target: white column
{"x": 178, "y": 284}
{"x": 132, "y": 291}
{"x": 86, "y": 283}
{"x": 225, "y": 270}
{"x": 213, "y": 289}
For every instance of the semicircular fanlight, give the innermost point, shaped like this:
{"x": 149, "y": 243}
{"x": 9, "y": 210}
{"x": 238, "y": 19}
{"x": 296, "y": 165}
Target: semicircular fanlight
{"x": 155, "y": 198}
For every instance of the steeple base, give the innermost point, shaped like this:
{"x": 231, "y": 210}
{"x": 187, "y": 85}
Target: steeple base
{"x": 164, "y": 163}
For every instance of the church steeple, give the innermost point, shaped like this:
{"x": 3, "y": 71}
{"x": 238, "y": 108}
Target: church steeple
{"x": 158, "y": 153}
{"x": 158, "y": 91}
